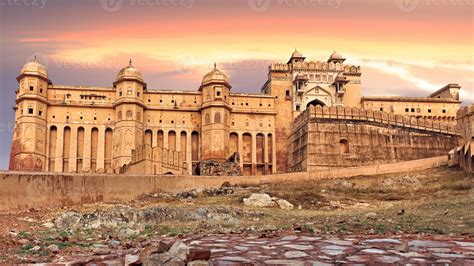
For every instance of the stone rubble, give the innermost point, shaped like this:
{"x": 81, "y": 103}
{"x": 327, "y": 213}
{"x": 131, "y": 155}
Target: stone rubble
{"x": 264, "y": 200}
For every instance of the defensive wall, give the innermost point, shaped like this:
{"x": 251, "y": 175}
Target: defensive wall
{"x": 22, "y": 190}
{"x": 337, "y": 137}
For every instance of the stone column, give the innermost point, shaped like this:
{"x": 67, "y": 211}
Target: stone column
{"x": 101, "y": 149}
{"x": 165, "y": 139}
{"x": 154, "y": 141}
{"x": 254, "y": 154}
{"x": 240, "y": 149}
{"x": 59, "y": 160}
{"x": 274, "y": 156}
{"x": 265, "y": 155}
{"x": 87, "y": 149}
{"x": 189, "y": 152}
{"x": 73, "y": 153}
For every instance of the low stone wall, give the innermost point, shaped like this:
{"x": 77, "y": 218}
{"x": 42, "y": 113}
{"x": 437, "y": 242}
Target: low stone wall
{"x": 21, "y": 191}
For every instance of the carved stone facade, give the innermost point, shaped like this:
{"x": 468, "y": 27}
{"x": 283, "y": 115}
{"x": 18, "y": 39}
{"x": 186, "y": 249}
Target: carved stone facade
{"x": 75, "y": 129}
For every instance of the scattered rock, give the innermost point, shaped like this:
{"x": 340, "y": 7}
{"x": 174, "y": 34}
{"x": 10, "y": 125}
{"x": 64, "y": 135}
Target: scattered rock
{"x": 198, "y": 254}
{"x": 132, "y": 260}
{"x": 230, "y": 167}
{"x": 68, "y": 220}
{"x": 24, "y": 241}
{"x": 156, "y": 259}
{"x": 284, "y": 204}
{"x": 179, "y": 250}
{"x": 259, "y": 200}
{"x": 35, "y": 248}
{"x": 53, "y": 248}
{"x": 371, "y": 216}
{"x": 192, "y": 194}
{"x": 48, "y": 225}
{"x": 101, "y": 251}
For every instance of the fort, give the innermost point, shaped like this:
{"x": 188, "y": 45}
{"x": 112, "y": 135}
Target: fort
{"x": 308, "y": 115}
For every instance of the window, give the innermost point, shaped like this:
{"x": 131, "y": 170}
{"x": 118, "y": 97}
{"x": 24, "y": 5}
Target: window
{"x": 30, "y": 110}
{"x": 406, "y": 110}
{"x": 31, "y": 88}
{"x": 344, "y": 146}
{"x": 129, "y": 114}
{"x": 120, "y": 93}
{"x": 217, "y": 118}
{"x": 40, "y": 112}
{"x": 298, "y": 108}
{"x": 418, "y": 110}
{"x": 412, "y": 110}
{"x": 218, "y": 93}
{"x": 138, "y": 94}
{"x": 381, "y": 109}
{"x": 129, "y": 91}
{"x": 41, "y": 90}
{"x": 444, "y": 111}
{"x": 429, "y": 111}
{"x": 67, "y": 117}
{"x": 287, "y": 93}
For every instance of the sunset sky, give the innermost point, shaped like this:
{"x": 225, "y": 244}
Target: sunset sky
{"x": 405, "y": 47}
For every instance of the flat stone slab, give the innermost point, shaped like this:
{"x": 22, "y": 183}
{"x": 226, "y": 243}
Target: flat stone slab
{"x": 310, "y": 249}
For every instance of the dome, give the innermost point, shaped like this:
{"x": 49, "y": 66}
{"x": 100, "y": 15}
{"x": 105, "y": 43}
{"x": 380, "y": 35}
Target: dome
{"x": 215, "y": 75}
{"x": 130, "y": 72}
{"x": 34, "y": 68}
{"x": 336, "y": 57}
{"x": 296, "y": 54}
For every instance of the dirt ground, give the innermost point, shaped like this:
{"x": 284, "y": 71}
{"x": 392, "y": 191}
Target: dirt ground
{"x": 431, "y": 202}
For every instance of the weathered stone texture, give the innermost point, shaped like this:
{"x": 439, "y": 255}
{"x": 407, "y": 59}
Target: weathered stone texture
{"x": 329, "y": 138}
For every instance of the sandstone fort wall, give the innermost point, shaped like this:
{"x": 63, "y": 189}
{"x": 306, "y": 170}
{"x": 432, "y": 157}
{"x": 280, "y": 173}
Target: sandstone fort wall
{"x": 325, "y": 138}
{"x": 21, "y": 190}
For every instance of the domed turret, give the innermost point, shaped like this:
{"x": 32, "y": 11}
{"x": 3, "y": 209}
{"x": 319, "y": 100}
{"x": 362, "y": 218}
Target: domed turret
{"x": 296, "y": 56}
{"x": 336, "y": 58}
{"x": 34, "y": 68}
{"x": 215, "y": 75}
{"x": 130, "y": 73}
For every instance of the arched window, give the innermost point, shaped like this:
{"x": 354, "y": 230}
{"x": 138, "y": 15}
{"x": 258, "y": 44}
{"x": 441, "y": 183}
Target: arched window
{"x": 344, "y": 146}
{"x": 217, "y": 118}
{"x": 119, "y": 116}
{"x": 207, "y": 119}
{"x": 139, "y": 116}
{"x": 129, "y": 114}
{"x": 129, "y": 91}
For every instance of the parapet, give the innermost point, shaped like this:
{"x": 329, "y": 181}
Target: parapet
{"x": 317, "y": 66}
{"x": 357, "y": 114}
{"x": 465, "y": 111}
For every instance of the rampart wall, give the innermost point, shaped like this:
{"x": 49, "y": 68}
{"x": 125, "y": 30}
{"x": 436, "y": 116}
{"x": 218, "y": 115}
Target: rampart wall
{"x": 22, "y": 191}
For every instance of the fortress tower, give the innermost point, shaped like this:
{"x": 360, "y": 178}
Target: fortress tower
{"x": 130, "y": 88}
{"x": 215, "y": 113}
{"x": 29, "y": 138}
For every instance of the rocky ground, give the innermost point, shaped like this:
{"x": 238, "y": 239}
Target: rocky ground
{"x": 419, "y": 217}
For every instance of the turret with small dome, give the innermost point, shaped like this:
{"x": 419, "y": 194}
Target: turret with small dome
{"x": 28, "y": 151}
{"x": 129, "y": 112}
{"x": 215, "y": 113}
